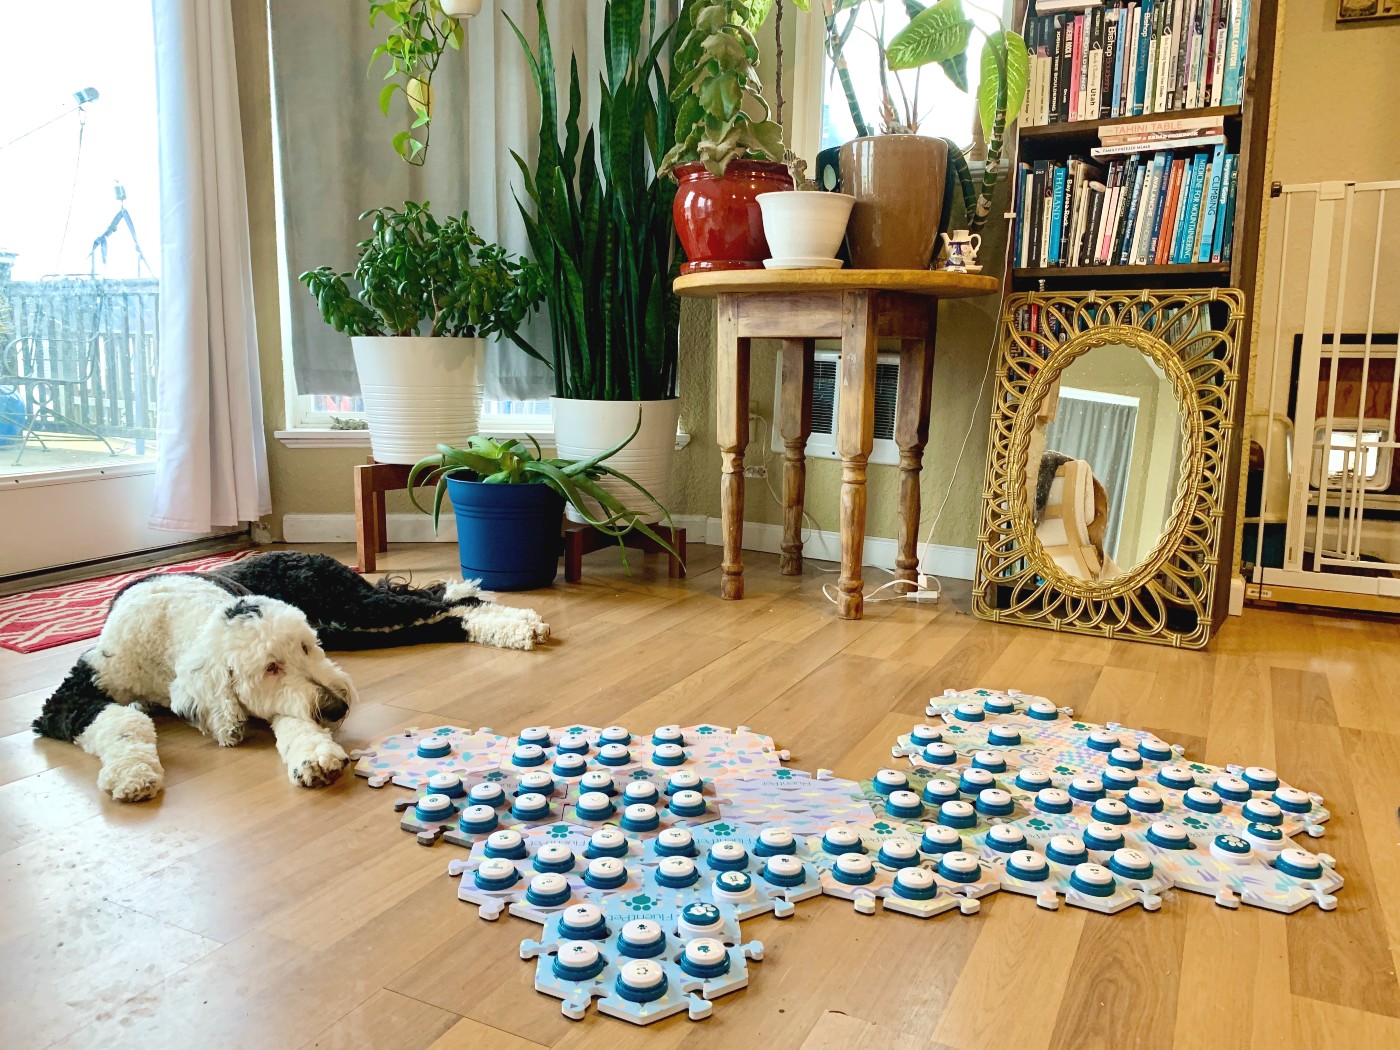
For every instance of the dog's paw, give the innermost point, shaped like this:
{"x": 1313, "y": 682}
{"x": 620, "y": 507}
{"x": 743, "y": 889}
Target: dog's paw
{"x": 132, "y": 780}
{"x": 321, "y": 767}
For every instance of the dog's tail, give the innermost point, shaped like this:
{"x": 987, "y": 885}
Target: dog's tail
{"x": 122, "y": 738}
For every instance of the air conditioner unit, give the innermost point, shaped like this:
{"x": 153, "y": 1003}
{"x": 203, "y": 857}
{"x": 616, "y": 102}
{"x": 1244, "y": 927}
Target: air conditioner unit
{"x": 826, "y": 407}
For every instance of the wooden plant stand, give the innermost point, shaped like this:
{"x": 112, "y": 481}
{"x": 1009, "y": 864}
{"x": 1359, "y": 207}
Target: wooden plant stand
{"x": 580, "y": 539}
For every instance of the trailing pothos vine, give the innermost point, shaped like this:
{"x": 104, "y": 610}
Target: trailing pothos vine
{"x": 420, "y": 35}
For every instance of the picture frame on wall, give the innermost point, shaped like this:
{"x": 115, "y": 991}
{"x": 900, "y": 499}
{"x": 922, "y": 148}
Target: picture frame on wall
{"x": 1367, "y": 10}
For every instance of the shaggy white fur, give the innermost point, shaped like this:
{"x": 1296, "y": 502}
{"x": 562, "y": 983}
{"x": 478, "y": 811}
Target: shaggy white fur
{"x": 215, "y": 660}
{"x": 503, "y": 626}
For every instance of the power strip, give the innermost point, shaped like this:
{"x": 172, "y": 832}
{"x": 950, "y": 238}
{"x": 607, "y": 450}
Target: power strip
{"x": 930, "y": 590}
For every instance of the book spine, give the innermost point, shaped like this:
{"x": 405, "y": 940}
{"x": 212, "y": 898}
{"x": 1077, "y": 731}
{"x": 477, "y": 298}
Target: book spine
{"x": 1127, "y": 48}
{"x": 1234, "y": 58}
{"x": 1110, "y": 42}
{"x": 1132, "y": 190}
{"x": 1098, "y": 194}
{"x": 1023, "y": 224}
{"x": 1190, "y": 208}
{"x": 1217, "y": 239}
{"x": 1163, "y": 59}
{"x": 1200, "y": 56}
{"x": 1179, "y": 231}
{"x": 1140, "y": 61}
{"x": 1119, "y": 149}
{"x": 1047, "y": 63}
{"x": 1057, "y": 215}
{"x": 1154, "y": 43}
{"x": 1230, "y": 215}
{"x": 1076, "y": 66}
{"x": 1151, "y": 220}
{"x": 1066, "y": 69}
{"x": 1212, "y": 204}
{"x": 1176, "y": 80}
{"x": 1057, "y": 47}
{"x": 1219, "y": 48}
{"x": 1115, "y": 195}
{"x": 1038, "y": 213}
{"x": 1066, "y": 200}
{"x": 1163, "y": 239}
{"x": 1094, "y": 98}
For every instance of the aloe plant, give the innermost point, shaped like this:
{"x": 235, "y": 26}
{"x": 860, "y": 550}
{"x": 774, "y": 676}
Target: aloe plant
{"x": 599, "y": 219}
{"x": 511, "y": 462}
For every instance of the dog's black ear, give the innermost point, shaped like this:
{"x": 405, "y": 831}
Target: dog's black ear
{"x": 243, "y": 607}
{"x": 73, "y": 706}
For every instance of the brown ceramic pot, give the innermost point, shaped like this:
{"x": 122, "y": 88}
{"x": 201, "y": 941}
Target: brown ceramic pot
{"x": 897, "y": 181}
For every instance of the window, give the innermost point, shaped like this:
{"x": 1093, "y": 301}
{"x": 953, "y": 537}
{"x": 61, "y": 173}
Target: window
{"x": 79, "y": 239}
{"x": 944, "y": 111}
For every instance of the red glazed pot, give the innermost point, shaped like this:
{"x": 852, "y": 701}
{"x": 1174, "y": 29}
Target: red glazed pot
{"x": 718, "y": 219}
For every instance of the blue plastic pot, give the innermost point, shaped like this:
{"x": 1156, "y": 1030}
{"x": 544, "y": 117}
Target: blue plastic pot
{"x": 508, "y": 536}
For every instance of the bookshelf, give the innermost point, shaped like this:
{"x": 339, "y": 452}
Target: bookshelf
{"x": 1243, "y": 122}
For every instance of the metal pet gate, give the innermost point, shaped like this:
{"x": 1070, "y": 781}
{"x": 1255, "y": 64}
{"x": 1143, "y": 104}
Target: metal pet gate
{"x": 1322, "y": 512}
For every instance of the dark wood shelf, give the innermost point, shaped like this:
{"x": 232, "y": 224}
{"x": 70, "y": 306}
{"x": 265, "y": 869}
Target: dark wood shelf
{"x": 1073, "y": 128}
{"x": 1169, "y": 269}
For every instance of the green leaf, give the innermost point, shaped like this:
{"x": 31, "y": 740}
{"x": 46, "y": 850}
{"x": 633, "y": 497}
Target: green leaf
{"x": 937, "y": 34}
{"x": 1017, "y": 63}
{"x": 956, "y": 70}
{"x": 386, "y": 95}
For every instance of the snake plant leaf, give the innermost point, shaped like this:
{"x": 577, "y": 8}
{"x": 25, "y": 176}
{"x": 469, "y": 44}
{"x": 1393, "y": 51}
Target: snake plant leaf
{"x": 1016, "y": 62}
{"x": 936, "y": 34}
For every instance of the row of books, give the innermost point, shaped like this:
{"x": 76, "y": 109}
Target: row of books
{"x": 1122, "y": 59}
{"x": 1161, "y": 208}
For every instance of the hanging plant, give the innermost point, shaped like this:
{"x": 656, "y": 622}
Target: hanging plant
{"x": 421, "y": 35}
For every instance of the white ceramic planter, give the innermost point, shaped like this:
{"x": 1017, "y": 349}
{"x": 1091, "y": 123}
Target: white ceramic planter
{"x": 461, "y": 8}
{"x": 805, "y": 225}
{"x": 584, "y": 428}
{"x": 419, "y": 392}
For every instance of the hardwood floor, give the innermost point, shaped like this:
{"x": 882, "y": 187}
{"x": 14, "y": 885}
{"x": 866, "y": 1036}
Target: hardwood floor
{"x": 241, "y": 911}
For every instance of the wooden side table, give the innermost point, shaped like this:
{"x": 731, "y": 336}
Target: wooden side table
{"x": 796, "y": 307}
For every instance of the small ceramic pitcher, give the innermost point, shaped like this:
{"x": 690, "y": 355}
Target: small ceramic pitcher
{"x": 960, "y": 250}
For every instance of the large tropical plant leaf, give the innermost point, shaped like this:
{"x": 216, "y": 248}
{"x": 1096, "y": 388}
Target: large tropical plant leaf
{"x": 1016, "y": 62}
{"x": 937, "y": 34}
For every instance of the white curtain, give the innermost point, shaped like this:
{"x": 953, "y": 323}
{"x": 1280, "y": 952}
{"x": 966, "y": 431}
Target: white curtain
{"x": 211, "y": 458}
{"x": 335, "y": 159}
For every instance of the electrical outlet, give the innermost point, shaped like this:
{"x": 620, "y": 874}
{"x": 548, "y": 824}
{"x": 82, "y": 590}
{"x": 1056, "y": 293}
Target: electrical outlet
{"x": 756, "y": 472}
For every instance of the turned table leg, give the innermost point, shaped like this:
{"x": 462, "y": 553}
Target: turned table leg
{"x": 856, "y": 439}
{"x": 911, "y": 435}
{"x": 732, "y": 428}
{"x": 795, "y": 425}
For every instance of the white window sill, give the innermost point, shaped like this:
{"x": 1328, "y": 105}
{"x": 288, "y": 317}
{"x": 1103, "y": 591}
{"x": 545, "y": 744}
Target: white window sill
{"x": 324, "y": 437}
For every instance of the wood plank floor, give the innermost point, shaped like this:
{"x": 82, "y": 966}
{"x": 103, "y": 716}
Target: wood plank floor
{"x": 241, "y": 911}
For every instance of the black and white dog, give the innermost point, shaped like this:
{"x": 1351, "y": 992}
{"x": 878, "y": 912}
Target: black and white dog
{"x": 220, "y": 648}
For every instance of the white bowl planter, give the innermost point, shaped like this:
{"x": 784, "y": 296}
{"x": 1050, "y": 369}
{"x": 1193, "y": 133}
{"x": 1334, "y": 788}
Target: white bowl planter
{"x": 461, "y": 8}
{"x": 804, "y": 227}
{"x": 419, "y": 391}
{"x": 582, "y": 429}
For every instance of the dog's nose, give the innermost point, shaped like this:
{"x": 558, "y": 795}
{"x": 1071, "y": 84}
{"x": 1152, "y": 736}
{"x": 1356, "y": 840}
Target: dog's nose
{"x": 332, "y": 708}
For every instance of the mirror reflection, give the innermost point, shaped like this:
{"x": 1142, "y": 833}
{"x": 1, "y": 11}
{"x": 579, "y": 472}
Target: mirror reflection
{"x": 1105, "y": 461}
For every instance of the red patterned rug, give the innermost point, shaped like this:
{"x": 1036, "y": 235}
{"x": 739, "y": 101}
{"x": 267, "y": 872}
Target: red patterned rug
{"x": 72, "y": 612}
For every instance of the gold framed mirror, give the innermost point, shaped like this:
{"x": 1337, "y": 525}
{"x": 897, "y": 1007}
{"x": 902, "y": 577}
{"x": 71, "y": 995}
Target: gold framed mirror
{"x": 1112, "y": 424}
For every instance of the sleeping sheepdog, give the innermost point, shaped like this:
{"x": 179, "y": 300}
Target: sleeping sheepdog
{"x": 216, "y": 658}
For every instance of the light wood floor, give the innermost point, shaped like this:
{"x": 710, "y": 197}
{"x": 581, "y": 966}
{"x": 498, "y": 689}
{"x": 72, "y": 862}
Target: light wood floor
{"x": 242, "y": 911}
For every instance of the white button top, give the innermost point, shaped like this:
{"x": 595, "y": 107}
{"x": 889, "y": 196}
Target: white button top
{"x": 1113, "y": 807}
{"x": 958, "y": 809}
{"x": 526, "y": 752}
{"x": 488, "y": 793}
{"x": 1067, "y": 844}
{"x": 978, "y": 777}
{"x": 641, "y": 931}
{"x": 570, "y": 761}
{"x": 915, "y": 878}
{"x": 531, "y": 800}
{"x": 595, "y": 779}
{"x": 506, "y": 838}
{"x": 580, "y": 916}
{"x": 535, "y": 734}
{"x": 705, "y": 951}
{"x": 854, "y": 864}
{"x": 444, "y": 781}
{"x": 901, "y": 847}
{"x": 841, "y": 835}
{"x": 641, "y": 974}
{"x": 668, "y": 732}
{"x": 676, "y": 867}
{"x": 891, "y": 778}
{"x": 614, "y": 751}
{"x": 994, "y": 797}
{"x": 496, "y": 868}
{"x": 668, "y": 751}
{"x": 1123, "y": 756}
{"x": 572, "y": 740}
{"x": 675, "y": 838}
{"x": 727, "y": 851}
{"x": 1260, "y": 773}
{"x": 905, "y": 799}
{"x": 958, "y": 861}
{"x": 1087, "y": 782}
{"x": 784, "y": 865}
{"x": 478, "y": 814}
{"x": 434, "y": 802}
{"x": 688, "y": 799}
{"x": 776, "y": 838}
{"x": 594, "y": 800}
{"x": 1094, "y": 874}
{"x": 554, "y": 853}
{"x": 1229, "y": 782}
{"x": 1006, "y": 834}
{"x": 1106, "y": 736}
{"x": 612, "y": 733}
{"x": 535, "y": 780}
{"x": 549, "y": 883}
{"x": 1142, "y": 793}
{"x": 640, "y": 812}
{"x": 605, "y": 867}
{"x": 607, "y": 838}
{"x": 684, "y": 778}
{"x": 578, "y": 955}
{"x": 640, "y": 791}
{"x": 1293, "y": 796}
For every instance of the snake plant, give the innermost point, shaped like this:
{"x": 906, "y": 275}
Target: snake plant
{"x": 511, "y": 462}
{"x": 599, "y": 219}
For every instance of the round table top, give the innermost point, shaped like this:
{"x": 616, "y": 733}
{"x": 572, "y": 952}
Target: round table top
{"x": 937, "y": 284}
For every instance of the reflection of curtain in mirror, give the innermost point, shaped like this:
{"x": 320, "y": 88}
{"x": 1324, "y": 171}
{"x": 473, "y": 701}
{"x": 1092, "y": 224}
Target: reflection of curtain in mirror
{"x": 1101, "y": 433}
